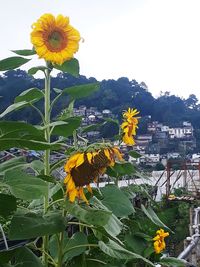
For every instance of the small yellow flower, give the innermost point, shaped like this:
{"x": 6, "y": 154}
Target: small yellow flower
{"x": 171, "y": 197}
{"x": 84, "y": 168}
{"x": 54, "y": 39}
{"x": 129, "y": 126}
{"x": 159, "y": 241}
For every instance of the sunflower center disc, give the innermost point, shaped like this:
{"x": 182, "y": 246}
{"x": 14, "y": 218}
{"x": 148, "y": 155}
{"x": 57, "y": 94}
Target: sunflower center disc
{"x": 56, "y": 41}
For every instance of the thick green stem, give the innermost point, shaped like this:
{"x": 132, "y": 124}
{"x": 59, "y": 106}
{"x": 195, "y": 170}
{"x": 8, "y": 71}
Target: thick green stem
{"x": 46, "y": 156}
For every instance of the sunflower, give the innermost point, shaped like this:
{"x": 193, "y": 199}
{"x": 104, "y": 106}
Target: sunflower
{"x": 129, "y": 126}
{"x": 54, "y": 39}
{"x": 159, "y": 241}
{"x": 84, "y": 168}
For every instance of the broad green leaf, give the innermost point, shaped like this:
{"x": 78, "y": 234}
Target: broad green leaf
{"x": 75, "y": 246}
{"x": 13, "y": 107}
{"x": 80, "y": 91}
{"x": 170, "y": 261}
{"x": 33, "y": 225}
{"x": 11, "y": 63}
{"x": 24, "y": 52}
{"x": 24, "y": 257}
{"x": 34, "y": 70}
{"x": 114, "y": 225}
{"x": 19, "y": 128}
{"x": 37, "y": 165}
{"x": 136, "y": 243}
{"x": 54, "y": 244}
{"x": 153, "y": 217}
{"x": 134, "y": 154}
{"x": 6, "y": 256}
{"x": 114, "y": 250}
{"x": 25, "y": 186}
{"x": 7, "y": 205}
{"x": 12, "y": 164}
{"x": 7, "y": 143}
{"x": 31, "y": 95}
{"x": 70, "y": 66}
{"x": 67, "y": 127}
{"x": 121, "y": 169}
{"x": 47, "y": 178}
{"x": 89, "y": 215}
{"x": 112, "y": 195}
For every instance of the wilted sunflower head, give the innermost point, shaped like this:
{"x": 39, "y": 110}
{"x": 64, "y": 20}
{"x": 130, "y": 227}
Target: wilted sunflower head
{"x": 129, "y": 126}
{"x": 82, "y": 168}
{"x": 54, "y": 39}
{"x": 159, "y": 241}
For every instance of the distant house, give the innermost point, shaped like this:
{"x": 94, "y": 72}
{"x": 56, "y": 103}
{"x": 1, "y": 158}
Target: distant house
{"x": 181, "y": 132}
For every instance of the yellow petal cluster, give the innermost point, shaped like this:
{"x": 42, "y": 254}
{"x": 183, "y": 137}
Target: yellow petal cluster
{"x": 159, "y": 241}
{"x": 54, "y": 39}
{"x": 84, "y": 168}
{"x": 129, "y": 126}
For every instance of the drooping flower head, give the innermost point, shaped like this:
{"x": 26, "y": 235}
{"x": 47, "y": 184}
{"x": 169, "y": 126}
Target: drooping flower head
{"x": 129, "y": 126}
{"x": 82, "y": 168}
{"x": 54, "y": 39}
{"x": 159, "y": 241}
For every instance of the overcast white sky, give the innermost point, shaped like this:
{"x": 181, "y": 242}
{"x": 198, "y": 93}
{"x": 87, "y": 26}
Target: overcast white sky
{"x": 155, "y": 41}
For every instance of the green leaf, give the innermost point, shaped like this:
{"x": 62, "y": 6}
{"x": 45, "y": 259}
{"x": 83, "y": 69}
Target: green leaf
{"x": 76, "y": 245}
{"x": 153, "y": 217}
{"x": 136, "y": 243}
{"x": 170, "y": 261}
{"x": 114, "y": 225}
{"x": 19, "y": 128}
{"x": 7, "y": 143}
{"x": 12, "y": 164}
{"x": 67, "y": 127}
{"x": 7, "y": 205}
{"x": 31, "y": 95}
{"x": 13, "y": 107}
{"x": 25, "y": 186}
{"x": 114, "y": 250}
{"x": 24, "y": 52}
{"x": 80, "y": 91}
{"x": 134, "y": 154}
{"x": 33, "y": 225}
{"x": 112, "y": 195}
{"x": 34, "y": 70}
{"x": 47, "y": 178}
{"x": 37, "y": 165}
{"x": 89, "y": 216}
{"x": 121, "y": 169}
{"x": 70, "y": 66}
{"x": 24, "y": 257}
{"x": 11, "y": 63}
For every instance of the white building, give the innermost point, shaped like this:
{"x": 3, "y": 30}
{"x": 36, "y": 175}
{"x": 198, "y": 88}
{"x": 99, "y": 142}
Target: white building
{"x": 181, "y": 132}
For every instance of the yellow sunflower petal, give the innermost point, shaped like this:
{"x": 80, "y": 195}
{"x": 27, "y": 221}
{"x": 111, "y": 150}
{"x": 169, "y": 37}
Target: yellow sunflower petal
{"x": 82, "y": 195}
{"x": 72, "y": 195}
{"x": 89, "y": 188}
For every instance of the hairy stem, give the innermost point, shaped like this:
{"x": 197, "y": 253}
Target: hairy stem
{"x": 46, "y": 157}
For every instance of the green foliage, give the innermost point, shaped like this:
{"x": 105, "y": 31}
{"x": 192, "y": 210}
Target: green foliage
{"x": 32, "y": 225}
{"x": 24, "y": 52}
{"x": 112, "y": 195}
{"x": 70, "y": 66}
{"x": 8, "y": 205}
{"x": 25, "y": 186}
{"x": 12, "y": 63}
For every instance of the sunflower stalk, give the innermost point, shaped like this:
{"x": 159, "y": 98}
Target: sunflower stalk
{"x": 46, "y": 157}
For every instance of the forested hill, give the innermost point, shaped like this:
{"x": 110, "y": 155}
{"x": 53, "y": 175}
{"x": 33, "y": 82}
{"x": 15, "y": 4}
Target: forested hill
{"x": 115, "y": 95}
